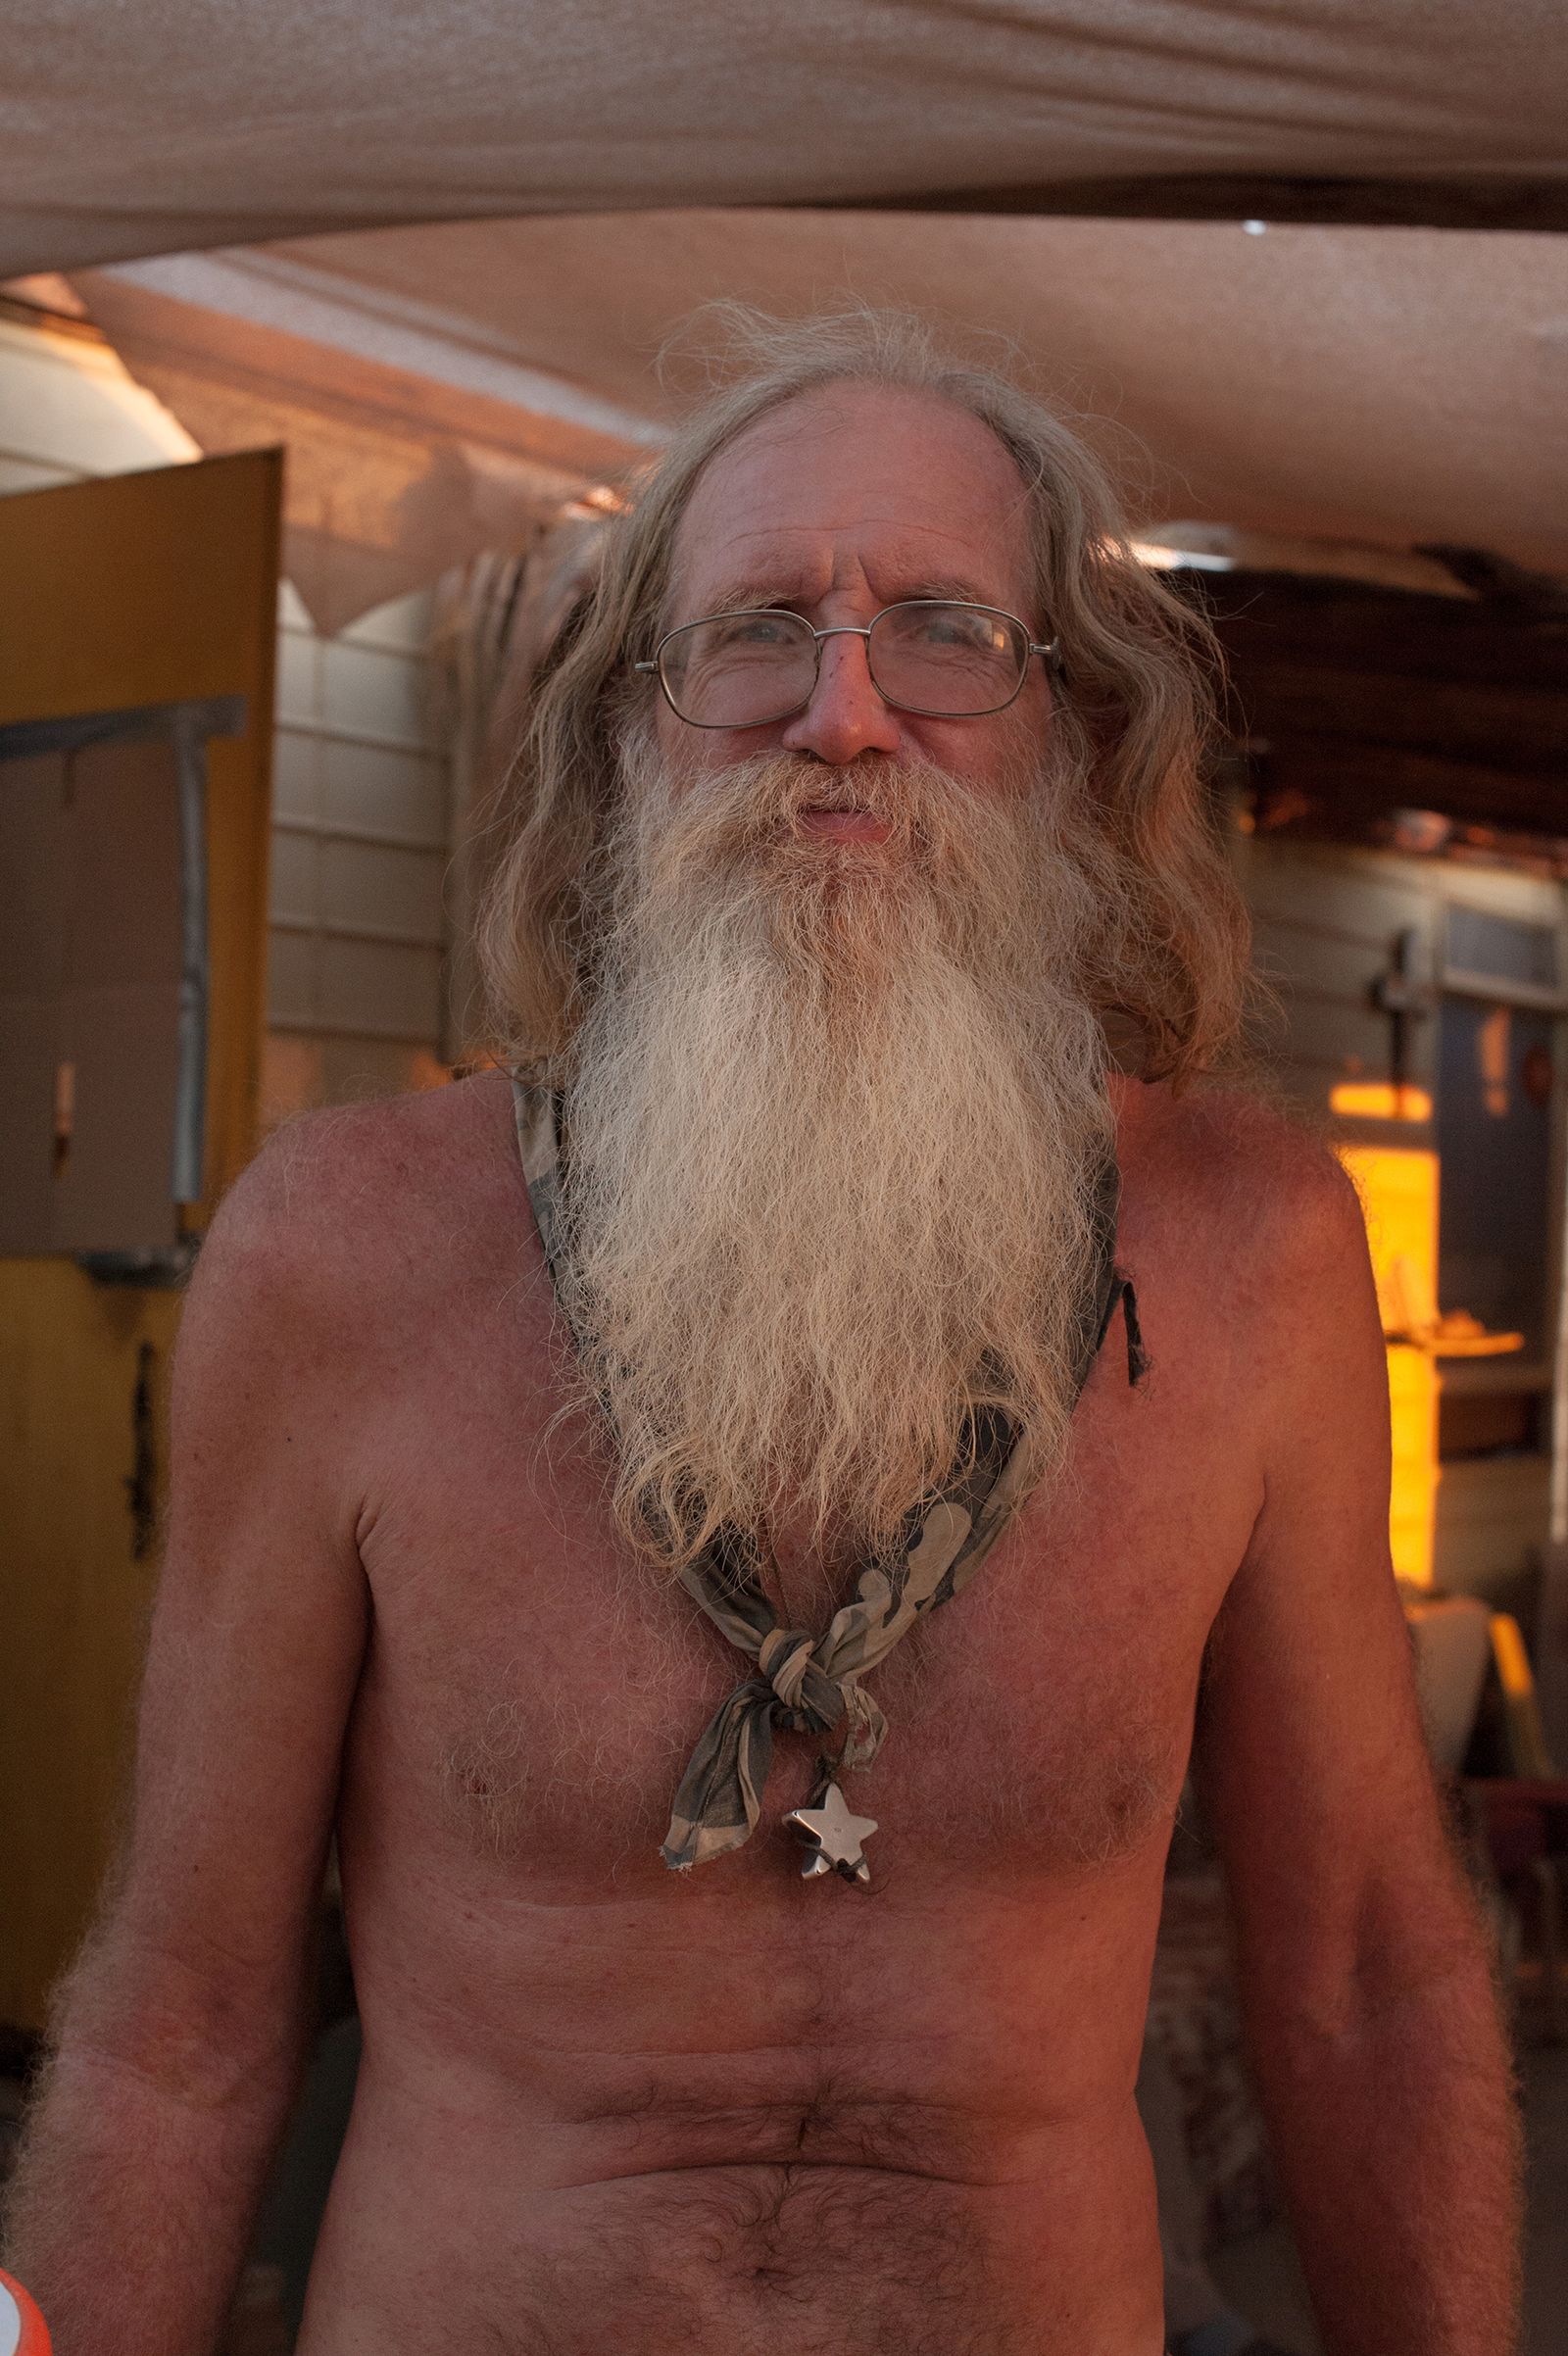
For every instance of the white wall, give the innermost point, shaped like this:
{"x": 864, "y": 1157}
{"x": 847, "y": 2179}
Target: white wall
{"x": 359, "y": 833}
{"x": 68, "y": 410}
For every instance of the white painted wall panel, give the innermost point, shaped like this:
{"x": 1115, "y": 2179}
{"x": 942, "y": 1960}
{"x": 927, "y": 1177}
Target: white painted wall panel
{"x": 291, "y": 992}
{"x": 360, "y": 854}
{"x": 293, "y": 896}
{"x": 299, "y": 686}
{"x": 383, "y": 792}
{"x": 375, "y": 693}
{"x": 380, "y": 889}
{"x": 27, "y": 474}
{"x": 66, "y": 403}
{"x": 379, "y": 990}
{"x": 296, "y": 775}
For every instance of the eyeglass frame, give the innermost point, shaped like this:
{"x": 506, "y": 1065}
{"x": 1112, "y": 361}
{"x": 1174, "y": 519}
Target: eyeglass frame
{"x": 1052, "y": 651}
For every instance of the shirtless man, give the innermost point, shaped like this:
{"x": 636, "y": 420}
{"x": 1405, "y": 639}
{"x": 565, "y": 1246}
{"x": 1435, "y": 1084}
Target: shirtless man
{"x": 817, "y": 934}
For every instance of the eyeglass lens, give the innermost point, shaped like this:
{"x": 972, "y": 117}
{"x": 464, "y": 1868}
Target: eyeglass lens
{"x": 739, "y": 670}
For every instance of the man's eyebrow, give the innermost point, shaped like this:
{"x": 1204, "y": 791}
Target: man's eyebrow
{"x": 954, "y": 585}
{"x": 745, "y": 596}
{"x": 744, "y": 593}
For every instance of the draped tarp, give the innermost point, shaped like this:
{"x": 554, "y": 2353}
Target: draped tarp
{"x": 409, "y": 449}
{"x": 443, "y": 379}
{"x": 1399, "y": 387}
{"x": 171, "y": 125}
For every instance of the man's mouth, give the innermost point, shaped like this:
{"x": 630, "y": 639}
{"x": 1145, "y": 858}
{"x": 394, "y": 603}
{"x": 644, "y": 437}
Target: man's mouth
{"x": 854, "y": 823}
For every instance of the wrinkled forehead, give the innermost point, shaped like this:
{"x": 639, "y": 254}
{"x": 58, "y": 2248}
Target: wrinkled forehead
{"x": 856, "y": 490}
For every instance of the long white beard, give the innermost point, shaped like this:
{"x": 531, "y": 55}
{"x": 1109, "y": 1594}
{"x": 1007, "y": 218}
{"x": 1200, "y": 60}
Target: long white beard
{"x": 834, "y": 1120}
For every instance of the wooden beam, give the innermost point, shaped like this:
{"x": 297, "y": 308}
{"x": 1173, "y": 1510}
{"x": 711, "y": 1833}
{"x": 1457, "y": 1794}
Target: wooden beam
{"x": 1498, "y": 202}
{"x": 1318, "y": 621}
{"x": 1341, "y": 775}
{"x": 1495, "y": 727}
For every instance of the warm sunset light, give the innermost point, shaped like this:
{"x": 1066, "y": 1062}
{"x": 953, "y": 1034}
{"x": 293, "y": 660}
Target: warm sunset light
{"x": 1379, "y": 1101}
{"x": 1398, "y": 1190}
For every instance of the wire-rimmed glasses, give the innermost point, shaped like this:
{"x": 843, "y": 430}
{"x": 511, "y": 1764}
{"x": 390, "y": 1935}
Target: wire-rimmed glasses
{"x": 942, "y": 656}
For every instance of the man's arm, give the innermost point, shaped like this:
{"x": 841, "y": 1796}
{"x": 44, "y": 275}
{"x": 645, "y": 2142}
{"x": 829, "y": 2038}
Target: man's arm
{"x": 1366, "y": 1979}
{"x": 180, "y": 2031}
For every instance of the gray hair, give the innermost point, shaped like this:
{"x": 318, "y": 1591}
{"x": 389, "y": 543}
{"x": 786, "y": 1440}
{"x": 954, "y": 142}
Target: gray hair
{"x": 1133, "y": 722}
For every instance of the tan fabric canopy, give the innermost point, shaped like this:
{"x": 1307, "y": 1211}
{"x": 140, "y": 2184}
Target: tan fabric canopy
{"x": 174, "y": 124}
{"x": 437, "y": 386}
{"x": 441, "y": 382}
{"x": 409, "y": 449}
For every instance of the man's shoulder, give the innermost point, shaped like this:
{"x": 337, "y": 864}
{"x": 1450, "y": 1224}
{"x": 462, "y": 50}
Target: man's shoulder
{"x": 1236, "y": 1162}
{"x": 337, "y": 1200}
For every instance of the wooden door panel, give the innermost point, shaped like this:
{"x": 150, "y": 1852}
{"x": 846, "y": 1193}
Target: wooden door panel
{"x": 74, "y": 1594}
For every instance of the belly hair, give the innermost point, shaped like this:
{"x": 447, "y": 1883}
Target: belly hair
{"x": 663, "y": 2123}
{"x": 728, "y": 2261}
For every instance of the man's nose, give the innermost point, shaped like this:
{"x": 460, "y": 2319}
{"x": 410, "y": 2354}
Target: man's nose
{"x": 845, "y": 717}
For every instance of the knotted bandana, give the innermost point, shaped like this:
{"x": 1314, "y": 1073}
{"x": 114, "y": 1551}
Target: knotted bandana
{"x": 812, "y": 1684}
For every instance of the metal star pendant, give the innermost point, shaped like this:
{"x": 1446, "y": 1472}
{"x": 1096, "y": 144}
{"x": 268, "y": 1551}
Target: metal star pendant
{"x": 836, "y": 1835}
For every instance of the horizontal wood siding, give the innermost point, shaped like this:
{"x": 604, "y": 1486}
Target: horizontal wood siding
{"x": 1326, "y": 919}
{"x": 359, "y": 856}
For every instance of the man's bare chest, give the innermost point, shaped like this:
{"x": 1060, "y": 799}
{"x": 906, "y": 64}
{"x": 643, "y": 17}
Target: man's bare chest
{"x": 533, "y": 1691}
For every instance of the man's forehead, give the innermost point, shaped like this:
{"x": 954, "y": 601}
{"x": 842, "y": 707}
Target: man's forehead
{"x": 767, "y": 566}
{"x": 908, "y": 491}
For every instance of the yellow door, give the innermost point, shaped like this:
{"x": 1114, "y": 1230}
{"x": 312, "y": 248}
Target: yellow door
{"x": 137, "y": 627}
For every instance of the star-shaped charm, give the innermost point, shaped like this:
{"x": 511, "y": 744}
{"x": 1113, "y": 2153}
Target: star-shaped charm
{"x": 836, "y": 1833}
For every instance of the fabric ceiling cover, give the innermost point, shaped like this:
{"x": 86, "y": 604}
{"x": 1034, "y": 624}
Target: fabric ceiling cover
{"x": 408, "y": 451}
{"x": 175, "y": 124}
{"x": 1397, "y": 388}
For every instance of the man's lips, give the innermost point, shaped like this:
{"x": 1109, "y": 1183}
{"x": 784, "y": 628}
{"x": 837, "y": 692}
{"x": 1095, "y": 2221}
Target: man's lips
{"x": 855, "y": 825}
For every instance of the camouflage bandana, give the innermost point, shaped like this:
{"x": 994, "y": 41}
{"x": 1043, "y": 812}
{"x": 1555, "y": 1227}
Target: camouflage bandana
{"x": 812, "y": 1684}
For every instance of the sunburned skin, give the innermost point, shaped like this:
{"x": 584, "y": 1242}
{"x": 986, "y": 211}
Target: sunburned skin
{"x": 605, "y": 2105}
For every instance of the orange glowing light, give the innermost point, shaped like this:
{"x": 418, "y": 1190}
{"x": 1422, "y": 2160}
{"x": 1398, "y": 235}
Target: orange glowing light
{"x": 1398, "y": 1190}
{"x": 1379, "y": 1101}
